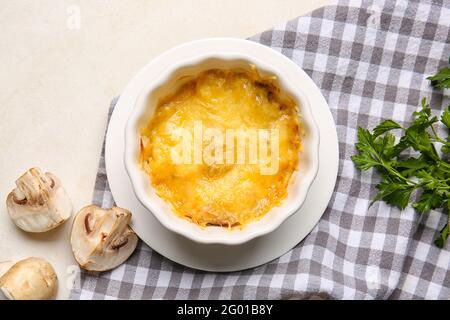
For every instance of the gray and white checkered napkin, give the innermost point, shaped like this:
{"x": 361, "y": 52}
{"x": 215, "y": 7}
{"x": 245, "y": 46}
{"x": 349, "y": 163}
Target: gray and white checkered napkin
{"x": 370, "y": 60}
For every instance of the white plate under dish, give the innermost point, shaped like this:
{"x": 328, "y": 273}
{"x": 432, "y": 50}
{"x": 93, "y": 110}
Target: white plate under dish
{"x": 216, "y": 257}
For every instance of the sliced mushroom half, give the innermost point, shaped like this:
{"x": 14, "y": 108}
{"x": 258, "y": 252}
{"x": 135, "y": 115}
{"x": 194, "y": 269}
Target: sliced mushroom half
{"x": 102, "y": 239}
{"x": 30, "y": 279}
{"x": 38, "y": 203}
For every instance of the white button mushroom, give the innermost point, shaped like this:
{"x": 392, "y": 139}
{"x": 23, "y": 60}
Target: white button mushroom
{"x": 102, "y": 239}
{"x": 29, "y": 279}
{"x": 38, "y": 203}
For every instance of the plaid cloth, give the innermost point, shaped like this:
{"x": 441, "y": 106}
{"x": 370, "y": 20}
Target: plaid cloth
{"x": 370, "y": 59}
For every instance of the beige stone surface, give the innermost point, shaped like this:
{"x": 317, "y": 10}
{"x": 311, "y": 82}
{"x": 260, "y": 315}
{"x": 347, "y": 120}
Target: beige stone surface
{"x": 60, "y": 71}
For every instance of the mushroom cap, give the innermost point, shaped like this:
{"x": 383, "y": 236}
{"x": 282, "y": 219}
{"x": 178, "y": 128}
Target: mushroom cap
{"x": 5, "y": 266}
{"x": 30, "y": 279}
{"x": 39, "y": 202}
{"x": 102, "y": 239}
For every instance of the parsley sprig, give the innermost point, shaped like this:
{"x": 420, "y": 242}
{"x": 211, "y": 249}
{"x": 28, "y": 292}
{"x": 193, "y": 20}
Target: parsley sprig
{"x": 427, "y": 173}
{"x": 441, "y": 79}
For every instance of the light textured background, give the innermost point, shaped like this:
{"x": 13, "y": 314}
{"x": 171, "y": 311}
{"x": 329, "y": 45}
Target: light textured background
{"x": 56, "y": 85}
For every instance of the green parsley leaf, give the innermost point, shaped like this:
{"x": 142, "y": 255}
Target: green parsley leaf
{"x": 420, "y": 140}
{"x": 398, "y": 148}
{"x": 441, "y": 79}
{"x": 394, "y": 192}
{"x": 410, "y": 166}
{"x": 428, "y": 200}
{"x": 384, "y": 145}
{"x": 445, "y": 118}
{"x": 427, "y": 180}
{"x": 443, "y": 236}
{"x": 368, "y": 156}
{"x": 364, "y": 162}
{"x": 384, "y": 126}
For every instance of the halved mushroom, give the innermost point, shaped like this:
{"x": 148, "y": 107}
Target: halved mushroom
{"x": 102, "y": 239}
{"x": 30, "y": 279}
{"x": 38, "y": 203}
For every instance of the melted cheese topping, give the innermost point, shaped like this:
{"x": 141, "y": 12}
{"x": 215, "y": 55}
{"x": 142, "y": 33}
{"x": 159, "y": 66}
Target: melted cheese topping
{"x": 221, "y": 194}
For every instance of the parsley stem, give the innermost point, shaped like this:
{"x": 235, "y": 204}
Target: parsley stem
{"x": 444, "y": 163}
{"x": 436, "y": 137}
{"x": 396, "y": 173}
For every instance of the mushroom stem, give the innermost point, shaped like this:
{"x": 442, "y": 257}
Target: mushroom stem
{"x": 117, "y": 227}
{"x": 39, "y": 202}
{"x": 102, "y": 239}
{"x": 35, "y": 186}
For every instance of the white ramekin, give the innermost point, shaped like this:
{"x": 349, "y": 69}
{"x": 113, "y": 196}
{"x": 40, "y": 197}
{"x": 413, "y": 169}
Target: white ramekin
{"x": 166, "y": 83}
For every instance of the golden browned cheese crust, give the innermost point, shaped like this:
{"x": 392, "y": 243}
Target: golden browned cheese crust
{"x": 222, "y": 194}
